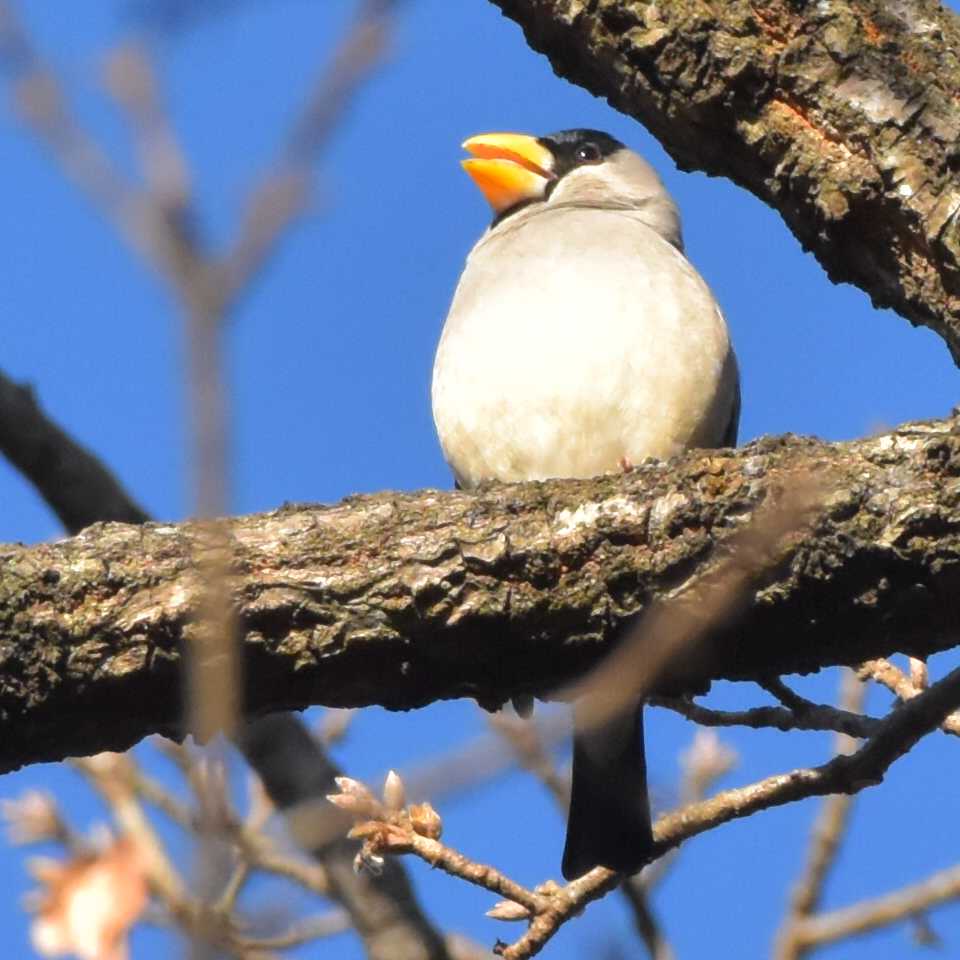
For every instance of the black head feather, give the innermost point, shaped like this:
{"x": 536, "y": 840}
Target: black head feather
{"x": 578, "y": 148}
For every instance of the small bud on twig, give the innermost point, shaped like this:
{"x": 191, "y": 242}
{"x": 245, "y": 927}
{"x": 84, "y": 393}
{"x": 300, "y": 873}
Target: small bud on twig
{"x": 394, "y": 792}
{"x": 426, "y": 821}
{"x": 508, "y": 910}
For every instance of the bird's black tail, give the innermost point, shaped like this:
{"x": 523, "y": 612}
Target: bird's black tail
{"x": 609, "y": 820}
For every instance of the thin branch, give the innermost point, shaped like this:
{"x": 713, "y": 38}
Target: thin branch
{"x": 902, "y": 686}
{"x": 276, "y": 202}
{"x": 296, "y": 773}
{"x": 815, "y": 717}
{"x": 131, "y": 80}
{"x": 903, "y": 904}
{"x": 386, "y": 828}
{"x": 43, "y": 105}
{"x": 789, "y": 698}
{"x": 844, "y": 774}
{"x": 303, "y": 932}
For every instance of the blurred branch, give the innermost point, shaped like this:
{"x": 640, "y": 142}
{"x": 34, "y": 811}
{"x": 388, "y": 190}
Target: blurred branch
{"x": 170, "y": 16}
{"x": 377, "y": 600}
{"x": 906, "y": 903}
{"x": 280, "y": 196}
{"x": 160, "y": 221}
{"x": 43, "y": 106}
{"x": 841, "y": 117}
{"x": 826, "y": 836}
{"x": 75, "y": 484}
{"x": 302, "y": 932}
{"x": 531, "y": 752}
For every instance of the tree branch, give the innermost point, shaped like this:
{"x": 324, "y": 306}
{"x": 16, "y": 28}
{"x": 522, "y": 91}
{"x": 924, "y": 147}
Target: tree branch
{"x": 844, "y": 117}
{"x": 903, "y": 904}
{"x": 821, "y": 717}
{"x": 77, "y": 487}
{"x": 549, "y": 906}
{"x": 401, "y": 599}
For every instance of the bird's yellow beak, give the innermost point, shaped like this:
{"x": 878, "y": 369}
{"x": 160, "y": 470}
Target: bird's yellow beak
{"x": 508, "y": 168}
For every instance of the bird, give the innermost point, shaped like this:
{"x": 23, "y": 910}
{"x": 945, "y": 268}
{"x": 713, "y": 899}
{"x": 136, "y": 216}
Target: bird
{"x": 580, "y": 341}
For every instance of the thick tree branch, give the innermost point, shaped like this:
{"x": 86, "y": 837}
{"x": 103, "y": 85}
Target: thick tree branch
{"x": 843, "y": 116}
{"x": 400, "y": 599}
{"x": 75, "y": 484}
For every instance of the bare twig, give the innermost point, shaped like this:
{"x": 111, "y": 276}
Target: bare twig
{"x": 789, "y": 698}
{"x": 902, "y": 686}
{"x": 813, "y": 717}
{"x": 131, "y": 80}
{"x": 43, "y": 105}
{"x": 296, "y": 773}
{"x": 549, "y": 906}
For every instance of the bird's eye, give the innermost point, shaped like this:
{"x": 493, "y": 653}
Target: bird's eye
{"x": 588, "y": 153}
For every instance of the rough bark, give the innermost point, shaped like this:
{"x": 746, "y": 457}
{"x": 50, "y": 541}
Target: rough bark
{"x": 401, "y": 599}
{"x": 843, "y": 116}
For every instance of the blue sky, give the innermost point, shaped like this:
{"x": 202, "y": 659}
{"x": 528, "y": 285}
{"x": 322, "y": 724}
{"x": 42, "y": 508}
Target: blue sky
{"x": 330, "y": 358}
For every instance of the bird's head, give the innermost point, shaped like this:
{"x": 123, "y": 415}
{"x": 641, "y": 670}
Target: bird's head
{"x": 573, "y": 168}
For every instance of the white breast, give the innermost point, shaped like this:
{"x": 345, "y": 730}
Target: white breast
{"x": 578, "y": 339}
